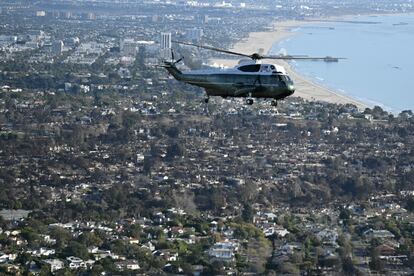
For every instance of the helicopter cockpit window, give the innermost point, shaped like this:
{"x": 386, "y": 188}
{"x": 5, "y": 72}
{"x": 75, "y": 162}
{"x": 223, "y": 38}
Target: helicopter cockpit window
{"x": 285, "y": 78}
{"x": 250, "y": 68}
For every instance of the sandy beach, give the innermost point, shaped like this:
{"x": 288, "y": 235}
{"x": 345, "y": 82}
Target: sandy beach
{"x": 261, "y": 42}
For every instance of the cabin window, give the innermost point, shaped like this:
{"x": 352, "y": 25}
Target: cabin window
{"x": 264, "y": 68}
{"x": 250, "y": 68}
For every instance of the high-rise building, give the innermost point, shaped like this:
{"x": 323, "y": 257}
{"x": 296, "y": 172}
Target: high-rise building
{"x": 165, "y": 45}
{"x": 165, "y": 40}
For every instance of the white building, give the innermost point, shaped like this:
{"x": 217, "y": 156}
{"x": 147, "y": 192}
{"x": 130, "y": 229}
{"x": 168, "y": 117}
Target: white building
{"x": 378, "y": 234}
{"x": 165, "y": 40}
{"x": 75, "y": 262}
{"x": 40, "y": 13}
{"x": 127, "y": 265}
{"x": 224, "y": 251}
{"x": 165, "y": 45}
{"x": 55, "y": 264}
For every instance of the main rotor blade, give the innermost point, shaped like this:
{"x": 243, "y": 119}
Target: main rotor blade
{"x": 300, "y": 57}
{"x": 257, "y": 56}
{"x": 213, "y": 49}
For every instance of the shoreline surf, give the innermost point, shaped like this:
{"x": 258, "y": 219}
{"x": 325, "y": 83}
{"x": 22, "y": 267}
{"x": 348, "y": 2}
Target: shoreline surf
{"x": 306, "y": 86}
{"x": 375, "y": 52}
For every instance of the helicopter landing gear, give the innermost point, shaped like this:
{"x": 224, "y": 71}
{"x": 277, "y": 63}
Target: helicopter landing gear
{"x": 206, "y": 100}
{"x": 274, "y": 103}
{"x": 249, "y": 101}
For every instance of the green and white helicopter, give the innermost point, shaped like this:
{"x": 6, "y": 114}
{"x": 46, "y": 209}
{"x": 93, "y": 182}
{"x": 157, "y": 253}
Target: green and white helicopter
{"x": 250, "y": 78}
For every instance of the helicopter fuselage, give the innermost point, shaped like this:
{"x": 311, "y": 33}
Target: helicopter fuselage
{"x": 253, "y": 80}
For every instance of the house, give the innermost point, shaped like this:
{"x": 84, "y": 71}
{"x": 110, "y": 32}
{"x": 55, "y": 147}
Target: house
{"x": 133, "y": 241}
{"x": 166, "y": 255}
{"x": 148, "y": 246}
{"x": 55, "y": 264}
{"x": 42, "y": 252}
{"x": 47, "y": 239}
{"x": 327, "y": 236}
{"x": 11, "y": 268}
{"x": 385, "y": 250}
{"x": 102, "y": 254}
{"x": 224, "y": 251}
{"x": 176, "y": 231}
{"x": 4, "y": 258}
{"x": 280, "y": 232}
{"x": 268, "y": 231}
{"x": 270, "y": 216}
{"x": 75, "y": 262}
{"x": 378, "y": 234}
{"x": 127, "y": 265}
{"x": 173, "y": 269}
{"x": 395, "y": 260}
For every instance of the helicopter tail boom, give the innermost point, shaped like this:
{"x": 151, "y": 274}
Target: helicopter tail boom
{"x": 173, "y": 70}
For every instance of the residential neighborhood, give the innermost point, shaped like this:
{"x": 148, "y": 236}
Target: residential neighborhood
{"x": 109, "y": 166}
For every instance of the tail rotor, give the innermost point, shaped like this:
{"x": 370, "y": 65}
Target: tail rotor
{"x": 173, "y": 61}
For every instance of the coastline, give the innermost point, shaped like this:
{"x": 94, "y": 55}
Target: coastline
{"x": 305, "y": 88}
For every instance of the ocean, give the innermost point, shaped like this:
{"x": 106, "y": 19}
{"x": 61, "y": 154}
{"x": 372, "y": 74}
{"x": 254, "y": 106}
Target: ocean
{"x": 379, "y": 52}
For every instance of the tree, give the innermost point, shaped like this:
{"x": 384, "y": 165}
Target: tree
{"x": 376, "y": 263}
{"x": 348, "y": 266}
{"x": 247, "y": 213}
{"x": 410, "y": 204}
{"x": 173, "y": 132}
{"x": 185, "y": 201}
{"x": 90, "y": 239}
{"x": 289, "y": 269}
{"x": 134, "y": 231}
{"x": 108, "y": 265}
{"x": 30, "y": 235}
{"x": 345, "y": 216}
{"x": 175, "y": 149}
{"x": 76, "y": 249}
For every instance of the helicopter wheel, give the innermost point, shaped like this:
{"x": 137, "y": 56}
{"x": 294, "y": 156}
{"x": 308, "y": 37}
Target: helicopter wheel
{"x": 274, "y": 103}
{"x": 249, "y": 101}
{"x": 206, "y": 100}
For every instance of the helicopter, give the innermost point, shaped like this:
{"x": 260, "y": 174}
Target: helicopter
{"x": 249, "y": 79}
